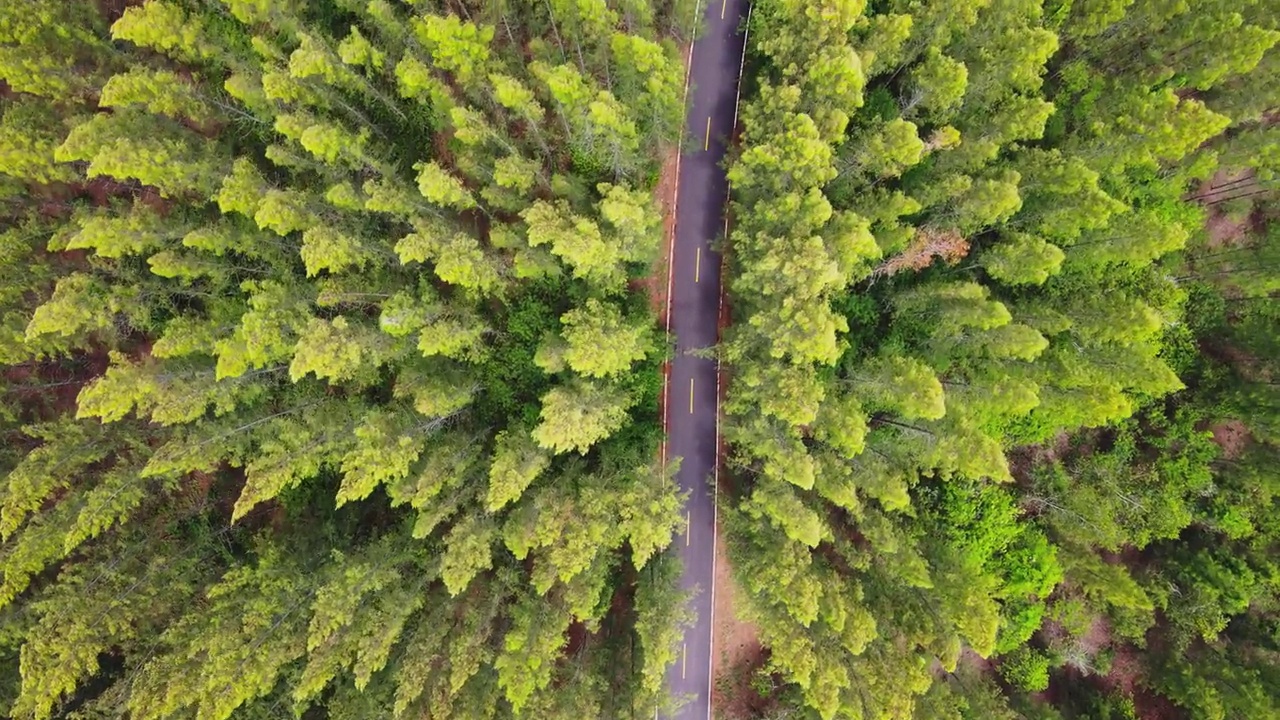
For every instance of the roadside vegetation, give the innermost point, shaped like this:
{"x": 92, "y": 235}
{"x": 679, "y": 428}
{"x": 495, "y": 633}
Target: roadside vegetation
{"x": 325, "y": 386}
{"x": 1002, "y": 404}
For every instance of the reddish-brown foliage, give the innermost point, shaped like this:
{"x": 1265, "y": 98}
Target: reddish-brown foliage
{"x": 928, "y": 244}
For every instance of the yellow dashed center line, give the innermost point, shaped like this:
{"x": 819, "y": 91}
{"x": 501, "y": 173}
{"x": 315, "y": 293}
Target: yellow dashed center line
{"x": 690, "y": 396}
{"x": 684, "y": 659}
{"x": 697, "y": 266}
{"x": 722, "y": 5}
{"x": 706, "y": 143}
{"x": 688, "y": 527}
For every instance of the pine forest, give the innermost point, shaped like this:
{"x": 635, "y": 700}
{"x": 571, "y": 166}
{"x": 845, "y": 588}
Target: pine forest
{"x": 333, "y": 346}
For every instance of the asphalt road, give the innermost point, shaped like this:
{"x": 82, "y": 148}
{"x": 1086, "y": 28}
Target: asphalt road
{"x": 692, "y": 401}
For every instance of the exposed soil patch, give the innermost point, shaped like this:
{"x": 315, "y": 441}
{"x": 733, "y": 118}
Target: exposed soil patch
{"x": 112, "y": 9}
{"x": 1127, "y": 676}
{"x": 734, "y": 697}
{"x": 738, "y": 653}
{"x": 1249, "y": 367}
{"x": 1222, "y": 229}
{"x": 971, "y": 659}
{"x": 664, "y": 192}
{"x": 1127, "y": 671}
{"x": 1096, "y": 638}
{"x": 1150, "y": 706}
{"x": 1232, "y": 436}
{"x": 1226, "y": 231}
{"x": 1022, "y": 460}
{"x": 655, "y": 284}
{"x": 1081, "y": 651}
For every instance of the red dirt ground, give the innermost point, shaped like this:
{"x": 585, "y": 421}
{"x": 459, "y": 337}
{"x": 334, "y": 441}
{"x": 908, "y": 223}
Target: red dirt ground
{"x": 1232, "y": 436}
{"x": 655, "y": 285}
{"x": 738, "y": 650}
{"x": 1222, "y": 230}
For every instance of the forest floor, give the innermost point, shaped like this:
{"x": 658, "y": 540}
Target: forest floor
{"x": 1231, "y": 436}
{"x": 1227, "y": 231}
{"x": 1224, "y": 229}
{"x": 738, "y": 653}
{"x": 664, "y": 192}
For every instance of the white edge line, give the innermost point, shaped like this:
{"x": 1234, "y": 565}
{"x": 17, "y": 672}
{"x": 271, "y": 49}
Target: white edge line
{"x": 715, "y": 492}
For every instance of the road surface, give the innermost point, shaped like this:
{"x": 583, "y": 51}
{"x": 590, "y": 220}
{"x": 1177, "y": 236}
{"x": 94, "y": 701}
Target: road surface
{"x": 692, "y": 401}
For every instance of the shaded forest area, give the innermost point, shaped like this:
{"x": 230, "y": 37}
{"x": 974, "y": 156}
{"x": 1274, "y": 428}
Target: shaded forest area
{"x": 326, "y": 391}
{"x": 1003, "y": 405}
